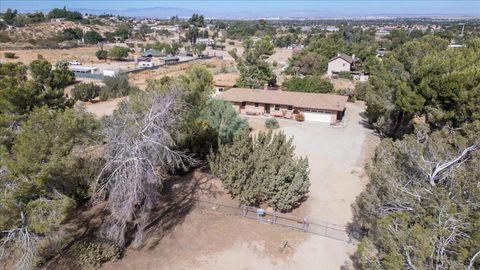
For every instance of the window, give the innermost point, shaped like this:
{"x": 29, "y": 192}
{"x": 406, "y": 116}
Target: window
{"x": 277, "y": 107}
{"x": 256, "y": 104}
{"x": 290, "y": 108}
{"x": 220, "y": 89}
{"x": 243, "y": 104}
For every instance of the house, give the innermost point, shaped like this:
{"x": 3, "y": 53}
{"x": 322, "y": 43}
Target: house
{"x": 57, "y": 20}
{"x": 153, "y": 53}
{"x": 224, "y": 81}
{"x": 82, "y": 69}
{"x": 340, "y": 63}
{"x": 324, "y": 108}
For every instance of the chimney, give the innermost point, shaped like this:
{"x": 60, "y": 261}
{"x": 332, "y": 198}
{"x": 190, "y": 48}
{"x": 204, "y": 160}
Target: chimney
{"x": 265, "y": 86}
{"x": 353, "y": 57}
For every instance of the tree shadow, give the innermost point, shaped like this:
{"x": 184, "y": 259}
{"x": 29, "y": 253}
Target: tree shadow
{"x": 366, "y": 123}
{"x": 178, "y": 198}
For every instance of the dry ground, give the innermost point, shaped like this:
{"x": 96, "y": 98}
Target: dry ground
{"x": 206, "y": 240}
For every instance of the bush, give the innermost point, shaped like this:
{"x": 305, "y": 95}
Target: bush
{"x": 101, "y": 54}
{"x": 9, "y": 55}
{"x": 92, "y": 253}
{"x": 350, "y": 93}
{"x": 117, "y": 86}
{"x": 118, "y": 52}
{"x": 271, "y": 123}
{"x": 263, "y": 169}
{"x": 85, "y": 91}
{"x": 345, "y": 75}
{"x": 309, "y": 84}
{"x": 300, "y": 117}
{"x": 231, "y": 43}
{"x": 361, "y": 90}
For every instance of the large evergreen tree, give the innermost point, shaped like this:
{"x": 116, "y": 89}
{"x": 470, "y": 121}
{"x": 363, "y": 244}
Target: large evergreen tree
{"x": 262, "y": 169}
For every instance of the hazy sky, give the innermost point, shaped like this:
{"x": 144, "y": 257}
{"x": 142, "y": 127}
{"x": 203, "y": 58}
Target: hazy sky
{"x": 270, "y": 8}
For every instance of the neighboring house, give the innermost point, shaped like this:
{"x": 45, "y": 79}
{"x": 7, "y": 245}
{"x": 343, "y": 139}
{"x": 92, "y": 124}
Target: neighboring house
{"x": 315, "y": 107}
{"x": 83, "y": 69}
{"x": 340, "y": 63}
{"x": 224, "y": 81}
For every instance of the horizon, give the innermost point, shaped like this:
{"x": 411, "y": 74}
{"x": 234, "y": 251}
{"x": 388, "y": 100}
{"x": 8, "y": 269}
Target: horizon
{"x": 260, "y": 9}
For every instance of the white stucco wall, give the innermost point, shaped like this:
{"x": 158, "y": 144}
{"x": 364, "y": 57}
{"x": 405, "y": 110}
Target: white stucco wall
{"x": 337, "y": 65}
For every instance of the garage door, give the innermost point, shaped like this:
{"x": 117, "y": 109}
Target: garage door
{"x": 318, "y": 117}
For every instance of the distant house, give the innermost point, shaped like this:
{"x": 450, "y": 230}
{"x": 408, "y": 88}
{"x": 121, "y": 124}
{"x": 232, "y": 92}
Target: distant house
{"x": 153, "y": 53}
{"x": 340, "y": 63}
{"x": 324, "y": 108}
{"x": 82, "y": 69}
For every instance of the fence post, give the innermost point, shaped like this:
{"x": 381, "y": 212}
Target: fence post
{"x": 305, "y": 224}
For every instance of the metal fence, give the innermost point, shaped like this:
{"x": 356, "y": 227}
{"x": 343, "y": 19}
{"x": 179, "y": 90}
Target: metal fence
{"x": 322, "y": 228}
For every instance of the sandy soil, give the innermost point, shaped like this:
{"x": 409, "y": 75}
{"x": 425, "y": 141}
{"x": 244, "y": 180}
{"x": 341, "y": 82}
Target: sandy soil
{"x": 86, "y": 55}
{"x": 100, "y": 108}
{"x": 339, "y": 84}
{"x": 206, "y": 240}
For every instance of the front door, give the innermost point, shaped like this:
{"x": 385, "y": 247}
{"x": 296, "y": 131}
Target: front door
{"x": 267, "y": 108}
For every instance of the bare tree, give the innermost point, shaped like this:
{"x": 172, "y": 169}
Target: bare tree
{"x": 22, "y": 240}
{"x": 140, "y": 150}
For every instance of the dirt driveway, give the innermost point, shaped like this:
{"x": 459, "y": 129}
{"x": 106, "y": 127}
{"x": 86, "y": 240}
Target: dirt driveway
{"x": 206, "y": 240}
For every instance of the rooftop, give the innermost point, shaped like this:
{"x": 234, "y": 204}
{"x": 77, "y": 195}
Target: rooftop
{"x": 345, "y": 57}
{"x": 296, "y": 99}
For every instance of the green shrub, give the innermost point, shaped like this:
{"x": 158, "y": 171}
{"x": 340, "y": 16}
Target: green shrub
{"x": 345, "y": 75}
{"x": 350, "y": 93}
{"x": 92, "y": 253}
{"x": 309, "y": 84}
{"x": 9, "y": 55}
{"x": 272, "y": 123}
{"x": 117, "y": 86}
{"x": 361, "y": 90}
{"x": 118, "y": 52}
{"x": 300, "y": 117}
{"x": 101, "y": 54}
{"x": 263, "y": 169}
{"x": 275, "y": 64}
{"x": 85, "y": 91}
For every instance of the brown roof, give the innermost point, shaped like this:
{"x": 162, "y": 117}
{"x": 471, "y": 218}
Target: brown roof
{"x": 296, "y": 99}
{"x": 345, "y": 57}
{"x": 225, "y": 79}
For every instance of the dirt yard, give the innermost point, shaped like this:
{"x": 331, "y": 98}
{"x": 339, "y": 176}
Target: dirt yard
{"x": 206, "y": 240}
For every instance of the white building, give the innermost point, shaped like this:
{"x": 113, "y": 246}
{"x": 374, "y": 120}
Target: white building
{"x": 340, "y": 63}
